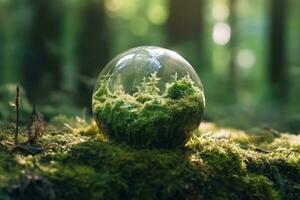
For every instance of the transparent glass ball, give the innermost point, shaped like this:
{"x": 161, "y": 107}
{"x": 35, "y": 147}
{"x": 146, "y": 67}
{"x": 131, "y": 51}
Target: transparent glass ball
{"x": 148, "y": 96}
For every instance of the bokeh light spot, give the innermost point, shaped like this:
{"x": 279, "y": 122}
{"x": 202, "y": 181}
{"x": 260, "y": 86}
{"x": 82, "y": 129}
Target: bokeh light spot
{"x": 157, "y": 14}
{"x": 220, "y": 12}
{"x": 113, "y": 5}
{"x": 245, "y": 58}
{"x": 221, "y": 33}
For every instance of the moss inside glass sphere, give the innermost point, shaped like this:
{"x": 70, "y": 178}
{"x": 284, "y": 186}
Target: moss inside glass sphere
{"x": 148, "y": 96}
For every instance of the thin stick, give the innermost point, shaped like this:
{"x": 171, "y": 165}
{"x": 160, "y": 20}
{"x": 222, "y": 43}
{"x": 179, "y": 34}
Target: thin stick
{"x": 17, "y": 112}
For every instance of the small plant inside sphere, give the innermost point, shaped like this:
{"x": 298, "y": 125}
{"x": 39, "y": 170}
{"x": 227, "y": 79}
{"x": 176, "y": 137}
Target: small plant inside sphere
{"x": 150, "y": 97}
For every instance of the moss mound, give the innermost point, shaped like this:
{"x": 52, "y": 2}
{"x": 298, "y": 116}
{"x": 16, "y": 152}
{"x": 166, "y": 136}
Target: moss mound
{"x": 147, "y": 118}
{"x": 79, "y": 163}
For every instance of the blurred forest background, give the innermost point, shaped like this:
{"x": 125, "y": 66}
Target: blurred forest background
{"x": 246, "y": 53}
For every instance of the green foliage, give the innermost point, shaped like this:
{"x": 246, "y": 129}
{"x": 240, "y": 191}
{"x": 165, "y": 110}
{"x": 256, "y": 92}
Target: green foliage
{"x": 149, "y": 85}
{"x": 147, "y": 118}
{"x": 180, "y": 88}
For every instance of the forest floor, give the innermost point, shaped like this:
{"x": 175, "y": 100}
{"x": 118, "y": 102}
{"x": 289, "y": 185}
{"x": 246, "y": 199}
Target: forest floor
{"x": 74, "y": 161}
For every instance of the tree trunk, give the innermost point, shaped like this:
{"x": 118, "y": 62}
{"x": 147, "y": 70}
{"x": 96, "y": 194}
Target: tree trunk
{"x": 233, "y": 79}
{"x": 43, "y": 52}
{"x": 70, "y": 37}
{"x": 93, "y": 48}
{"x": 185, "y": 24}
{"x": 278, "y": 69}
{"x": 13, "y": 22}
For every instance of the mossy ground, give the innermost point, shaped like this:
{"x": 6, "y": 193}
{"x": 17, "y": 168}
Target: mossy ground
{"x": 80, "y": 163}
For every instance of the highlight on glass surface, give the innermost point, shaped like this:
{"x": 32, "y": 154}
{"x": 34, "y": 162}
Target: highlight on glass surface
{"x": 148, "y": 96}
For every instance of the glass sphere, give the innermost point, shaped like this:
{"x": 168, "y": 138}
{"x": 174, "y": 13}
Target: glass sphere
{"x": 148, "y": 96}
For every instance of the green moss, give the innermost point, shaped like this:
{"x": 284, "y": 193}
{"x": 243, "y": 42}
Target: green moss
{"x": 82, "y": 164}
{"x": 147, "y": 118}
